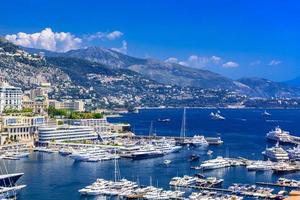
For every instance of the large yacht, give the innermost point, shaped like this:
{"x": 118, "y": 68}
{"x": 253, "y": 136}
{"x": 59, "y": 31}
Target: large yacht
{"x": 260, "y": 166}
{"x": 199, "y": 140}
{"x": 148, "y": 151}
{"x": 279, "y": 135}
{"x": 276, "y": 153}
{"x": 217, "y": 163}
{"x": 294, "y": 153}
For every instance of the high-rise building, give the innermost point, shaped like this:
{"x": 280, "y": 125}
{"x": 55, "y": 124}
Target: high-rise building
{"x": 10, "y": 96}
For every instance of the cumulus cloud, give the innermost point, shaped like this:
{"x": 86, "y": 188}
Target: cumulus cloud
{"x": 230, "y": 64}
{"x": 196, "y": 61}
{"x": 275, "y": 62}
{"x": 123, "y": 48}
{"x": 202, "y": 61}
{"x": 46, "y": 39}
{"x": 105, "y": 35}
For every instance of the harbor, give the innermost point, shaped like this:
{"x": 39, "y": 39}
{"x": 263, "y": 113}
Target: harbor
{"x": 247, "y": 164}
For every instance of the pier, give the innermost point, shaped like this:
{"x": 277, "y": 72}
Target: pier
{"x": 277, "y": 185}
{"x": 182, "y": 140}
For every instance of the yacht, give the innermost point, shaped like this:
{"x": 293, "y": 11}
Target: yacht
{"x": 9, "y": 179}
{"x": 279, "y": 135}
{"x": 266, "y": 114}
{"x": 260, "y": 166}
{"x": 216, "y": 116}
{"x": 276, "y": 153}
{"x": 217, "y": 163}
{"x": 199, "y": 140}
{"x": 148, "y": 151}
{"x": 294, "y": 153}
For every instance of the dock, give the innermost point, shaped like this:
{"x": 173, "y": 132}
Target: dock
{"x": 276, "y": 185}
{"x": 182, "y": 140}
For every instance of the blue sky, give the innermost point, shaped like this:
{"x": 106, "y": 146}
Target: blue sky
{"x": 234, "y": 38}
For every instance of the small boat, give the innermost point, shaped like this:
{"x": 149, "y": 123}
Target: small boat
{"x": 209, "y": 152}
{"x": 164, "y": 120}
{"x": 266, "y": 114}
{"x": 167, "y": 162}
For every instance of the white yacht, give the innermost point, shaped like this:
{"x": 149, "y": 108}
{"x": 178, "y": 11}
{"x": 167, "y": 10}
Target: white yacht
{"x": 217, "y": 163}
{"x": 294, "y": 153}
{"x": 199, "y": 140}
{"x": 260, "y": 166}
{"x": 216, "y": 116}
{"x": 279, "y": 135}
{"x": 276, "y": 153}
{"x": 148, "y": 151}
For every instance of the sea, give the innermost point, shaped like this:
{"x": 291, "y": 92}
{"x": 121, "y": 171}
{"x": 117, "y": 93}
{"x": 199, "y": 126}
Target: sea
{"x": 55, "y": 177}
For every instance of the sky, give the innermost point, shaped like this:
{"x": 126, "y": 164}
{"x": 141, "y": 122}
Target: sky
{"x": 249, "y": 38}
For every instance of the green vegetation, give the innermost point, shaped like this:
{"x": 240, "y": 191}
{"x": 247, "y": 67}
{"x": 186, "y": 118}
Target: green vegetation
{"x": 65, "y": 113}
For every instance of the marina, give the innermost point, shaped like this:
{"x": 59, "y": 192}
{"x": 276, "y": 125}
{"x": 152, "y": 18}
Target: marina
{"x": 55, "y": 160}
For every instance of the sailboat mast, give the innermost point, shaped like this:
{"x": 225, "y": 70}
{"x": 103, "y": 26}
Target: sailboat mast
{"x": 115, "y": 166}
{"x": 182, "y": 134}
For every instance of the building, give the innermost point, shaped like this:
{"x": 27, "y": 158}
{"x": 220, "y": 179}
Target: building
{"x": 10, "y": 96}
{"x": 75, "y": 105}
{"x": 120, "y": 127}
{"x": 100, "y": 126}
{"x": 65, "y": 133}
{"x": 37, "y": 99}
{"x": 19, "y": 128}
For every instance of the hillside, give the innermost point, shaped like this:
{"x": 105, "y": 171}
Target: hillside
{"x": 175, "y": 74}
{"x": 105, "y": 86}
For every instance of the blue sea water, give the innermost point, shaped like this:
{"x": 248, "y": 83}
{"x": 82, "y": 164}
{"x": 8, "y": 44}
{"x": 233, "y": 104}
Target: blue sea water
{"x": 54, "y": 177}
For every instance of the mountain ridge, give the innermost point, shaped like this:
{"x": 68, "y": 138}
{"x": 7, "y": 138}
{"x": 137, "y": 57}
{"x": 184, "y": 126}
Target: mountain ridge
{"x": 176, "y": 74}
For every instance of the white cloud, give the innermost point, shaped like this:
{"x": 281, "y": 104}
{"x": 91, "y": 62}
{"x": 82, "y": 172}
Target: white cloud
{"x": 192, "y": 61}
{"x": 46, "y": 39}
{"x": 104, "y": 35}
{"x": 216, "y": 59}
{"x": 123, "y": 48}
{"x": 275, "y": 62}
{"x": 172, "y": 60}
{"x": 230, "y": 64}
{"x": 196, "y": 61}
{"x": 256, "y": 62}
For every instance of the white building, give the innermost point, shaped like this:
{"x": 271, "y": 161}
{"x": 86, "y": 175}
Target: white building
{"x": 75, "y": 105}
{"x": 66, "y": 133}
{"x": 100, "y": 126}
{"x": 10, "y": 97}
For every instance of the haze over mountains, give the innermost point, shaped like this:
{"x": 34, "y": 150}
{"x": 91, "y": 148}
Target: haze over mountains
{"x": 176, "y": 74}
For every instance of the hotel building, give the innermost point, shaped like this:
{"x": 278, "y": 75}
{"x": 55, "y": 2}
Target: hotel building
{"x": 66, "y": 133}
{"x": 75, "y": 105}
{"x": 100, "y": 126}
{"x": 10, "y": 97}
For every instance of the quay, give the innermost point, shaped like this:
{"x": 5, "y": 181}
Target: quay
{"x": 276, "y": 185}
{"x": 181, "y": 140}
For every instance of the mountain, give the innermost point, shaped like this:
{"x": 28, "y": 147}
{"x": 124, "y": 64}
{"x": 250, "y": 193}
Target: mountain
{"x": 265, "y": 88}
{"x": 176, "y": 74}
{"x": 162, "y": 72}
{"x": 294, "y": 82}
{"x": 105, "y": 86}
